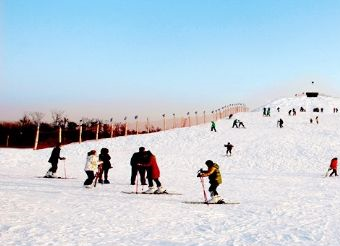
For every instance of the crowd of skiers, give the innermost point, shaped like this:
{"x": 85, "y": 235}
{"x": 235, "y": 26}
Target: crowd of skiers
{"x": 144, "y": 165}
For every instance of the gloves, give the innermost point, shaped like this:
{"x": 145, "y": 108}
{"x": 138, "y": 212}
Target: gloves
{"x": 62, "y": 158}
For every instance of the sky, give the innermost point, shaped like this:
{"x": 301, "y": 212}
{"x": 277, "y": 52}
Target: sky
{"x": 110, "y": 59}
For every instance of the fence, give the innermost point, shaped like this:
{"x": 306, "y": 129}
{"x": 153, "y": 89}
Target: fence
{"x": 45, "y": 135}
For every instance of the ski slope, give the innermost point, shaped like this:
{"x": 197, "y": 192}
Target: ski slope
{"x": 276, "y": 174}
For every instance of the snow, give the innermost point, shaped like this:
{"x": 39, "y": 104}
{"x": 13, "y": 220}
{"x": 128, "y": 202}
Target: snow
{"x": 276, "y": 174}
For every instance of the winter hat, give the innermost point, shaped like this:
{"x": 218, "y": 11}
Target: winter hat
{"x": 209, "y": 163}
{"x": 141, "y": 149}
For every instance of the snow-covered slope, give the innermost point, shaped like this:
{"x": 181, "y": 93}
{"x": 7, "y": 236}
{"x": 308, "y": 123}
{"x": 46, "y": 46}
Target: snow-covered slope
{"x": 276, "y": 174}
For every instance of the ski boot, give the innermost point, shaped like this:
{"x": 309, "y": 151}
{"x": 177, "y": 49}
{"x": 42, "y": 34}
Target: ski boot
{"x": 106, "y": 181}
{"x": 214, "y": 199}
{"x": 151, "y": 190}
{"x": 160, "y": 190}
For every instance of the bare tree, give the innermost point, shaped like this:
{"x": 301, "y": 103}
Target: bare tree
{"x": 36, "y": 117}
{"x": 25, "y": 120}
{"x": 59, "y": 118}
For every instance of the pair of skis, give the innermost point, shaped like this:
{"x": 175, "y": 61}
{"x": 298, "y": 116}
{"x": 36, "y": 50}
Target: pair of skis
{"x": 187, "y": 202}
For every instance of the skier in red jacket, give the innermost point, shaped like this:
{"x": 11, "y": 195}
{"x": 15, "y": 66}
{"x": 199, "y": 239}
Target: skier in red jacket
{"x": 333, "y": 166}
{"x": 153, "y": 174}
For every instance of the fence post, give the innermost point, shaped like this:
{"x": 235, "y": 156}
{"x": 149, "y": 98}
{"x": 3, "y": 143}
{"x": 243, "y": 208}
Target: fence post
{"x": 111, "y": 132}
{"x": 80, "y": 130}
{"x": 189, "y": 122}
{"x": 36, "y": 137}
{"x": 60, "y": 137}
{"x": 97, "y": 131}
{"x": 147, "y": 125}
{"x": 174, "y": 121}
{"x": 7, "y": 141}
{"x": 136, "y": 118}
{"x": 204, "y": 117}
{"x": 196, "y": 118}
{"x": 125, "y": 126}
{"x": 164, "y": 125}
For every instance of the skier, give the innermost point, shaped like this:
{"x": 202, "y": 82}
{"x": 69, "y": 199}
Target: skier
{"x": 138, "y": 157}
{"x": 240, "y": 123}
{"x": 333, "y": 166}
{"x": 153, "y": 174}
{"x": 278, "y": 109}
{"x": 229, "y": 148}
{"x": 264, "y": 112}
{"x": 268, "y": 111}
{"x": 317, "y": 119}
{"x": 215, "y": 179}
{"x": 280, "y": 123}
{"x": 105, "y": 158}
{"x": 213, "y": 126}
{"x": 91, "y": 167}
{"x": 55, "y": 157}
{"x": 294, "y": 112}
{"x": 235, "y": 123}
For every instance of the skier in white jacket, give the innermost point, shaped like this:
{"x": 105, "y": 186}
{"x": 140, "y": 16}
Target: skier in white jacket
{"x": 91, "y": 167}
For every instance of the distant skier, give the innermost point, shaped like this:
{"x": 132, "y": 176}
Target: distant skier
{"x": 333, "y": 166}
{"x": 55, "y": 157}
{"x": 215, "y": 179}
{"x": 105, "y": 158}
{"x": 278, "y": 109}
{"x": 229, "y": 148}
{"x": 235, "y": 123}
{"x": 289, "y": 112}
{"x": 213, "y": 126}
{"x": 137, "y": 158}
{"x": 264, "y": 112}
{"x": 294, "y": 112}
{"x": 280, "y": 123}
{"x": 91, "y": 167}
{"x": 230, "y": 116}
{"x": 153, "y": 174}
{"x": 268, "y": 112}
{"x": 317, "y": 119}
{"x": 240, "y": 123}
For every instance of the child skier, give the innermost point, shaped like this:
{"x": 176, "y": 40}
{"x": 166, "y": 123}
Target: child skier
{"x": 333, "y": 166}
{"x": 105, "y": 158}
{"x": 91, "y": 167}
{"x": 153, "y": 174}
{"x": 55, "y": 157}
{"x": 215, "y": 179}
{"x": 229, "y": 148}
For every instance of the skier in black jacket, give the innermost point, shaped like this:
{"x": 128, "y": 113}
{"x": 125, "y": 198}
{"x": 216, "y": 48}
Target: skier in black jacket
{"x": 55, "y": 157}
{"x": 138, "y": 158}
{"x": 229, "y": 147}
{"x": 105, "y": 158}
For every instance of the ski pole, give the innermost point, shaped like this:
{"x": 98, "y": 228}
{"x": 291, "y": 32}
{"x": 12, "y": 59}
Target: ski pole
{"x": 64, "y": 169}
{"x": 204, "y": 193}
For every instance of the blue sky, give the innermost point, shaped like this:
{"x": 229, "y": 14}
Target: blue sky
{"x": 106, "y": 59}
